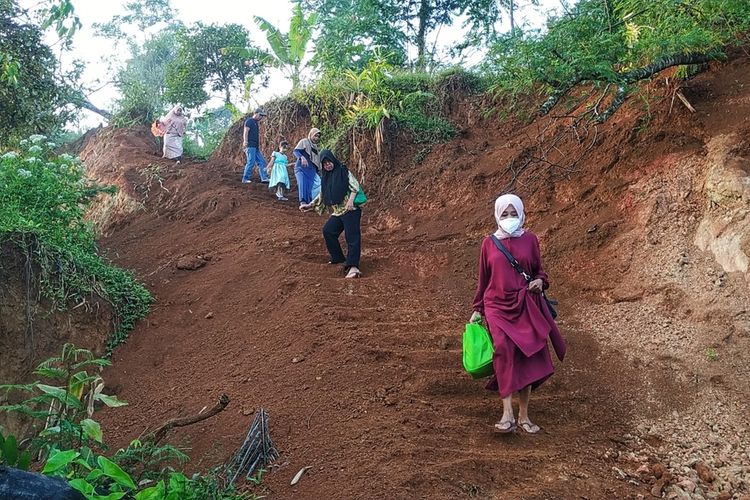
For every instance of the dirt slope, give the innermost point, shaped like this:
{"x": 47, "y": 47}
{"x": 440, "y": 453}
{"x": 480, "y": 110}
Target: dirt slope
{"x": 378, "y": 405}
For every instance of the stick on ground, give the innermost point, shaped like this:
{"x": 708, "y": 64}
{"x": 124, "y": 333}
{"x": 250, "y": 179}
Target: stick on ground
{"x": 161, "y": 432}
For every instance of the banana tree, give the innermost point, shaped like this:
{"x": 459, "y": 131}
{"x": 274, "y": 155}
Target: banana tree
{"x": 288, "y": 49}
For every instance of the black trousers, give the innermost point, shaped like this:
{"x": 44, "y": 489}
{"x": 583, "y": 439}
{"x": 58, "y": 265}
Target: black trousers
{"x": 349, "y": 224}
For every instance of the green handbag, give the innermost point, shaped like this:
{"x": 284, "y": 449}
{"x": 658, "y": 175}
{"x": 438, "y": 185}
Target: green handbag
{"x": 478, "y": 351}
{"x": 360, "y": 199}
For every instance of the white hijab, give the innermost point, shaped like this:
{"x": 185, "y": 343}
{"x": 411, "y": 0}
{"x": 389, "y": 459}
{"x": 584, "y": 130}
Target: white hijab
{"x": 501, "y": 204}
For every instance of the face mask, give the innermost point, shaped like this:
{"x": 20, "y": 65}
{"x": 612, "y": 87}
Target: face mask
{"x": 510, "y": 225}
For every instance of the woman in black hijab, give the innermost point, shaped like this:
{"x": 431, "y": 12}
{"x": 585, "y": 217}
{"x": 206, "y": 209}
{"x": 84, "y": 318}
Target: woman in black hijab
{"x": 339, "y": 192}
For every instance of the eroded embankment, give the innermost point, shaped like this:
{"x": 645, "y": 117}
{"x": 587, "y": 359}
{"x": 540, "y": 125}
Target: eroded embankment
{"x": 645, "y": 258}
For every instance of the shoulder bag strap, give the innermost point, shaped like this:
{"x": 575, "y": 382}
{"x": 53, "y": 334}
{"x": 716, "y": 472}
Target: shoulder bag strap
{"x": 511, "y": 259}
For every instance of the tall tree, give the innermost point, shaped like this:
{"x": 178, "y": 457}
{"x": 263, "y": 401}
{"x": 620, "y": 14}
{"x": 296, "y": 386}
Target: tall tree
{"x": 142, "y": 80}
{"x": 31, "y": 96}
{"x": 141, "y": 14}
{"x": 201, "y": 62}
{"x": 423, "y": 17}
{"x": 351, "y": 32}
{"x": 289, "y": 49}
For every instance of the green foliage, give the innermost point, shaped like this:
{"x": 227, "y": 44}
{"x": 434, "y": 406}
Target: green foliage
{"x": 366, "y": 98}
{"x": 66, "y": 403}
{"x": 11, "y": 456}
{"x": 616, "y": 42}
{"x": 148, "y": 461}
{"x": 142, "y": 14}
{"x": 289, "y": 48}
{"x": 201, "y": 60}
{"x": 354, "y": 32}
{"x": 61, "y": 15}
{"x": 142, "y": 79}
{"x": 70, "y": 437}
{"x": 30, "y": 92}
{"x": 44, "y": 199}
{"x": 206, "y": 132}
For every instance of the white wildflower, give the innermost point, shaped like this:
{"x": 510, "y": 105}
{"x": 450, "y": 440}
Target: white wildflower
{"x": 51, "y": 145}
{"x": 32, "y": 159}
{"x": 66, "y": 157}
{"x": 35, "y": 149}
{"x": 49, "y": 164}
{"x": 10, "y": 155}
{"x": 37, "y": 138}
{"x": 24, "y": 173}
{"x": 24, "y": 142}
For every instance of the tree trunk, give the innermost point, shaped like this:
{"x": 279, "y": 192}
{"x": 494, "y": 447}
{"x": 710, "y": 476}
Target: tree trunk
{"x": 511, "y": 8}
{"x": 423, "y": 18}
{"x": 622, "y": 79}
{"x": 82, "y": 102}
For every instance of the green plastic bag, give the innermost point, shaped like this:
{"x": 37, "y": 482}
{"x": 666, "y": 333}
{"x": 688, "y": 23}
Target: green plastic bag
{"x": 360, "y": 199}
{"x": 478, "y": 351}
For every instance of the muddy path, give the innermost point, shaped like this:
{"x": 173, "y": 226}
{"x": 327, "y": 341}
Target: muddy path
{"x": 376, "y": 402}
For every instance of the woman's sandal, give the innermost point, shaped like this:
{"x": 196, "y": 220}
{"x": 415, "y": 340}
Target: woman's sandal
{"x": 530, "y": 428}
{"x": 505, "y": 427}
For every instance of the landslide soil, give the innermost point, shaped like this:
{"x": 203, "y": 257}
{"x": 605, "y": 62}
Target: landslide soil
{"x": 362, "y": 379}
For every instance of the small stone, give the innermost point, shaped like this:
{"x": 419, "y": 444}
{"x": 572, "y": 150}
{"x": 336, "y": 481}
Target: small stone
{"x": 724, "y": 496}
{"x": 190, "y": 263}
{"x": 298, "y": 359}
{"x": 687, "y": 485}
{"x": 659, "y": 470}
{"x": 704, "y": 472}
{"x": 248, "y": 411}
{"x": 644, "y": 470}
{"x": 658, "y": 488}
{"x": 209, "y": 315}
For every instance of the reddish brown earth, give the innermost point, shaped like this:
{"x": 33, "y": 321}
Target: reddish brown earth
{"x": 379, "y": 406}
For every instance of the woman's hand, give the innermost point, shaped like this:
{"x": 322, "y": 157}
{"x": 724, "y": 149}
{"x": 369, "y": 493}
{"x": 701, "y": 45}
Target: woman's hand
{"x": 536, "y": 286}
{"x": 475, "y": 317}
{"x": 350, "y": 205}
{"x": 303, "y": 161}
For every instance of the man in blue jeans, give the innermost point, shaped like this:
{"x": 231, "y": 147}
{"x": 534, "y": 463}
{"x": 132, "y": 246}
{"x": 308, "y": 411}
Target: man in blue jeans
{"x": 251, "y": 145}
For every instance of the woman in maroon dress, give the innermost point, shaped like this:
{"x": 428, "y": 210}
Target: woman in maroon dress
{"x": 516, "y": 314}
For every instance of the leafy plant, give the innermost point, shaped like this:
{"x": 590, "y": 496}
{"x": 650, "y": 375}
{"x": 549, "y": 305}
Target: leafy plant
{"x": 70, "y": 439}
{"x": 148, "y": 461}
{"x": 11, "y": 456}
{"x": 67, "y": 402}
{"x": 289, "y": 48}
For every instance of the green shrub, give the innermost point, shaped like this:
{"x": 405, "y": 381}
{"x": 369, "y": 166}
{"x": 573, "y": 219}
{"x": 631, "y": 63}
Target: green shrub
{"x": 44, "y": 198}
{"x": 71, "y": 441}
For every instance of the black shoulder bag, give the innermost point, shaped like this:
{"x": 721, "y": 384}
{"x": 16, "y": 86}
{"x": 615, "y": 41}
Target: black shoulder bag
{"x": 513, "y": 262}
